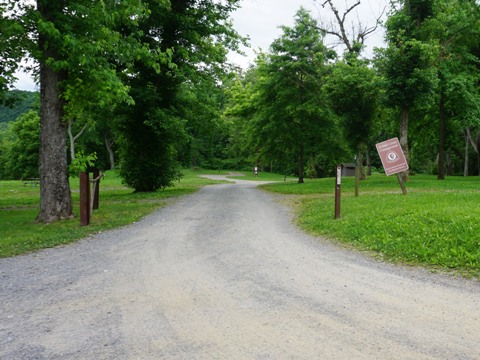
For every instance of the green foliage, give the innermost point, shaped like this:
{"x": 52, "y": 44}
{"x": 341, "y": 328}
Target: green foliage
{"x": 142, "y": 171}
{"x": 407, "y": 62}
{"x": 454, "y": 29}
{"x": 408, "y": 75}
{"x": 353, "y": 89}
{"x": 92, "y": 45}
{"x": 291, "y": 113}
{"x": 18, "y": 102}
{"x": 82, "y": 163}
{"x": 19, "y": 147}
{"x": 149, "y": 135}
{"x": 12, "y": 39}
{"x": 430, "y": 74}
{"x": 161, "y": 123}
{"x": 207, "y": 132}
{"x": 239, "y": 111}
{"x": 82, "y": 48}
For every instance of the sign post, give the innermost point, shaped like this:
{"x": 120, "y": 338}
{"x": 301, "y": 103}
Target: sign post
{"x": 393, "y": 159}
{"x": 402, "y": 184}
{"x": 84, "y": 199}
{"x": 338, "y": 183}
{"x": 88, "y": 197}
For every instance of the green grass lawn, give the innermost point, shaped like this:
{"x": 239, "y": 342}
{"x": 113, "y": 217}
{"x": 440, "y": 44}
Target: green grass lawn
{"x": 437, "y": 224}
{"x": 119, "y": 205}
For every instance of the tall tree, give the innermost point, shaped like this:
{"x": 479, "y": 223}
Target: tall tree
{"x": 407, "y": 62}
{"x": 198, "y": 34}
{"x": 353, "y": 85}
{"x": 74, "y": 43}
{"x": 240, "y": 110}
{"x": 55, "y": 197}
{"x": 353, "y": 89}
{"x": 201, "y": 105}
{"x": 292, "y": 108}
{"x": 19, "y": 147}
{"x": 455, "y": 29}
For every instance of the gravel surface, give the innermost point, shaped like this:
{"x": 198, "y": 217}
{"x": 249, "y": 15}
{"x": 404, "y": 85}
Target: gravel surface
{"x": 223, "y": 274}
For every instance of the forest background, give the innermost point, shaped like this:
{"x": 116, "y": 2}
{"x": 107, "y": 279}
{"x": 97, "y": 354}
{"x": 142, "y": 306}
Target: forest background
{"x": 145, "y": 87}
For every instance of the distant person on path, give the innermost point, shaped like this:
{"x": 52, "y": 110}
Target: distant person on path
{"x": 255, "y": 171}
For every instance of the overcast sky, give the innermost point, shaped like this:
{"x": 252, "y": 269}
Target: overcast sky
{"x": 260, "y": 20}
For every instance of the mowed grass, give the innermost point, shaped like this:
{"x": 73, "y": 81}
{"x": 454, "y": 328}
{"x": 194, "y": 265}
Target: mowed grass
{"x": 119, "y": 205}
{"x": 437, "y": 224}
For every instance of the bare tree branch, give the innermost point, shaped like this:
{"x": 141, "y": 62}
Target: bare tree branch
{"x": 358, "y": 33}
{"x": 472, "y": 141}
{"x": 73, "y": 138}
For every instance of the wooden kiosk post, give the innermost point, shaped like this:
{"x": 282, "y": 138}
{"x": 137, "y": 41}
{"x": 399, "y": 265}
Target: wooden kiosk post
{"x": 84, "y": 199}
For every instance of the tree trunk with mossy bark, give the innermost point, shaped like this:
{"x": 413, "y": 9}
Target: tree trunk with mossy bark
{"x": 55, "y": 195}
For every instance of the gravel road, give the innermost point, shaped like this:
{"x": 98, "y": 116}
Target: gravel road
{"x": 223, "y": 274}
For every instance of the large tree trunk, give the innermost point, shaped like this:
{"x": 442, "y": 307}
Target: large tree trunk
{"x": 404, "y": 138}
{"x": 441, "y": 140}
{"x": 55, "y": 196}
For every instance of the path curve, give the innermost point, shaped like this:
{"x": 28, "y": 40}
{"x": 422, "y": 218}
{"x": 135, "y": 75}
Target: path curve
{"x": 223, "y": 274}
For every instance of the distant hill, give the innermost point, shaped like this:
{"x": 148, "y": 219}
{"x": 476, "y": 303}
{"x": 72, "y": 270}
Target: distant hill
{"x": 17, "y": 103}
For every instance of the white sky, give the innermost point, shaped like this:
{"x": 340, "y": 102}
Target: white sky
{"x": 260, "y": 20}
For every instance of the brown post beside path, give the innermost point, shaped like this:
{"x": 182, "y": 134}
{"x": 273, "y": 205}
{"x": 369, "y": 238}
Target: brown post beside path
{"x": 338, "y": 182}
{"x": 402, "y": 183}
{"x": 84, "y": 199}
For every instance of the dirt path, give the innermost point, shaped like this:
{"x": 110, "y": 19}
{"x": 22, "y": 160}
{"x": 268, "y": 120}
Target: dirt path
{"x": 223, "y": 274}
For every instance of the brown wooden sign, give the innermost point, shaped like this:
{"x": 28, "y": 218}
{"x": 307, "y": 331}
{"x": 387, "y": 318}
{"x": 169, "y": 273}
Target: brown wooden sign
{"x": 391, "y": 154}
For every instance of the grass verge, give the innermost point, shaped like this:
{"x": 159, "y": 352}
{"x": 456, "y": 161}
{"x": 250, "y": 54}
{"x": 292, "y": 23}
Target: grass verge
{"x": 436, "y": 225}
{"x": 119, "y": 205}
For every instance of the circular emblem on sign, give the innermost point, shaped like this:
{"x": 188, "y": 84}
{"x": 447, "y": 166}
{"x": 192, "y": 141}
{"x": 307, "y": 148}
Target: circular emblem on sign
{"x": 392, "y": 156}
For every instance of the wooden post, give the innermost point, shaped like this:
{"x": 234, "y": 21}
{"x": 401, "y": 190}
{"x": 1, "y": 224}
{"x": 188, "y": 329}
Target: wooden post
{"x": 357, "y": 174}
{"x": 84, "y": 199}
{"x": 402, "y": 184}
{"x": 338, "y": 182}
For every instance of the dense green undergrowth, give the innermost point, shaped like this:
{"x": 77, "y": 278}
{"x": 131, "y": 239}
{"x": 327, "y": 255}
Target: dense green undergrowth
{"x": 436, "y": 224}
